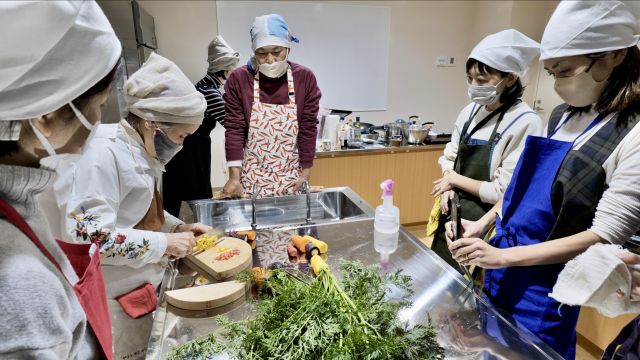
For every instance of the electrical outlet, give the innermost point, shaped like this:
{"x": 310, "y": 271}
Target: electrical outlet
{"x": 445, "y": 61}
{"x": 452, "y": 61}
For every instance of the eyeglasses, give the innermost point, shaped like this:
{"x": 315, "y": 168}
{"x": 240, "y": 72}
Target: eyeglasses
{"x": 567, "y": 72}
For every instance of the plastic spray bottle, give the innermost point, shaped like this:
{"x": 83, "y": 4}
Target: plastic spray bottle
{"x": 386, "y": 223}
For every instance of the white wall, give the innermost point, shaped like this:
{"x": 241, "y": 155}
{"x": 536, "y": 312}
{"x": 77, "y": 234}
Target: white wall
{"x": 184, "y": 30}
{"x": 420, "y": 31}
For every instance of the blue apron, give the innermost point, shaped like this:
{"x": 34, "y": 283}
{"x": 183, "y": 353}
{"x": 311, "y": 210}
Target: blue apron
{"x": 527, "y": 219}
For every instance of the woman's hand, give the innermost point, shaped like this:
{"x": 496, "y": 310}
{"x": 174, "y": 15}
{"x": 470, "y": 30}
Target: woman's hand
{"x": 180, "y": 244}
{"x": 475, "y": 251}
{"x": 470, "y": 229}
{"x": 444, "y": 201}
{"x": 633, "y": 261}
{"x": 196, "y": 229}
{"x": 446, "y": 183}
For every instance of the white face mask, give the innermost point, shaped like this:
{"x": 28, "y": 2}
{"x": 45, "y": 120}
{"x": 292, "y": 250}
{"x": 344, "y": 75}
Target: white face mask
{"x": 275, "y": 69}
{"x": 579, "y": 90}
{"x": 79, "y": 115}
{"x": 166, "y": 149}
{"x": 484, "y": 94}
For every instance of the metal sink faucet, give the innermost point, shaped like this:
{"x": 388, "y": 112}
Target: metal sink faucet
{"x": 254, "y": 195}
{"x": 305, "y": 190}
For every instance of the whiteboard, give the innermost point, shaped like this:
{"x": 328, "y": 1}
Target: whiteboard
{"x": 346, "y": 46}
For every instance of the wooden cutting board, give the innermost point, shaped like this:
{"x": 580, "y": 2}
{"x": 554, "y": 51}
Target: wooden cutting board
{"x": 206, "y": 296}
{"x": 219, "y": 270}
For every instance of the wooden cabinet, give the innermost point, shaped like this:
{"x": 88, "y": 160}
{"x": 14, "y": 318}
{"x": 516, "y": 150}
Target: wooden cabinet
{"x": 598, "y": 329}
{"x": 414, "y": 169}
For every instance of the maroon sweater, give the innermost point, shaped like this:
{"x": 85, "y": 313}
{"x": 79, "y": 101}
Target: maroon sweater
{"x": 238, "y": 99}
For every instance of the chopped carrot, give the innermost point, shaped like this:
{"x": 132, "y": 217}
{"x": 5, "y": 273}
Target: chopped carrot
{"x": 299, "y": 242}
{"x": 250, "y": 234}
{"x": 291, "y": 250}
{"x": 258, "y": 275}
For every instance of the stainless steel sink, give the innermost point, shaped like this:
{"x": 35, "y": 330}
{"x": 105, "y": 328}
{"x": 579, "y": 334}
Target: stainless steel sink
{"x": 330, "y": 205}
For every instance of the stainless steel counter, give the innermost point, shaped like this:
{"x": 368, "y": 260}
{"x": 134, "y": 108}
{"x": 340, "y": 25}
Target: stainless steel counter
{"x": 440, "y": 294}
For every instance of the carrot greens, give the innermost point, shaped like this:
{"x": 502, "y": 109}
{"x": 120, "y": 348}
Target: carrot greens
{"x": 323, "y": 318}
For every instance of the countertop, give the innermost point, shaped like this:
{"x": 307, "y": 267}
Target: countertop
{"x": 441, "y": 296}
{"x": 369, "y": 149}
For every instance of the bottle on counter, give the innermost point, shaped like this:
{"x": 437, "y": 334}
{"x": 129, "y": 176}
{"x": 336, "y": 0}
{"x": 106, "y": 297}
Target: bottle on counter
{"x": 350, "y": 135}
{"x": 386, "y": 225}
{"x": 343, "y": 134}
{"x": 357, "y": 130}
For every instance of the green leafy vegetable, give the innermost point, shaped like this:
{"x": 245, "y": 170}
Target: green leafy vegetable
{"x": 323, "y": 318}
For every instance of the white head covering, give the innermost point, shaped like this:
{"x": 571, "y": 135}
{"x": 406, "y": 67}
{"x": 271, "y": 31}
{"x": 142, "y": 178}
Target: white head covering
{"x": 160, "y": 91}
{"x": 586, "y": 27}
{"x": 270, "y": 30}
{"x": 508, "y": 50}
{"x": 52, "y": 52}
{"x": 221, "y": 57}
{"x": 594, "y": 278}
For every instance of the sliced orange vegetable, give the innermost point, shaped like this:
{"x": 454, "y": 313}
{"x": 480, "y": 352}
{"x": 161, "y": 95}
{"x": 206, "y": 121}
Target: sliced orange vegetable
{"x": 299, "y": 242}
{"x": 258, "y": 275}
{"x": 250, "y": 234}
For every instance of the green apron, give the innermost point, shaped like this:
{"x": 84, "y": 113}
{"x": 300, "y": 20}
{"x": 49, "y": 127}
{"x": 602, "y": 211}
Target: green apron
{"x": 473, "y": 161}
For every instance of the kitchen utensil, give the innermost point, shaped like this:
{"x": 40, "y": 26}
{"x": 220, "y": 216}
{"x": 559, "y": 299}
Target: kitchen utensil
{"x": 330, "y": 131}
{"x": 206, "y": 296}
{"x": 209, "y": 313}
{"x": 383, "y": 132}
{"x": 456, "y": 220}
{"x": 326, "y": 145}
{"x": 416, "y": 134}
{"x": 394, "y": 129}
{"x": 373, "y": 137}
{"x": 395, "y": 142}
{"x": 206, "y": 264}
{"x": 365, "y": 127}
{"x": 374, "y": 130}
{"x": 354, "y": 144}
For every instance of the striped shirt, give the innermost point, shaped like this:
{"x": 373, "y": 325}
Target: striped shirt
{"x": 210, "y": 87}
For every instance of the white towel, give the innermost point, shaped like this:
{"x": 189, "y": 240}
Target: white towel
{"x": 598, "y": 279}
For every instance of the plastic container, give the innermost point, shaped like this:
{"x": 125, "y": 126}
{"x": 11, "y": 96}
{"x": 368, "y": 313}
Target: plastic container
{"x": 386, "y": 223}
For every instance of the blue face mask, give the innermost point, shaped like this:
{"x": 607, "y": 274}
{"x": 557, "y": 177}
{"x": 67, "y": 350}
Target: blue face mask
{"x": 166, "y": 149}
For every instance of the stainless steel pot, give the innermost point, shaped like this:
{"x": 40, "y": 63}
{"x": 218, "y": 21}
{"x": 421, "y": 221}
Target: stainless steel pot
{"x": 396, "y": 128}
{"x": 416, "y": 134}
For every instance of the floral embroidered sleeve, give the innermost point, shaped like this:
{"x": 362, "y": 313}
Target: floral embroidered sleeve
{"x": 130, "y": 247}
{"x": 94, "y": 207}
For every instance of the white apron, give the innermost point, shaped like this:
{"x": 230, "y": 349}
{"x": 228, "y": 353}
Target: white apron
{"x": 271, "y": 153}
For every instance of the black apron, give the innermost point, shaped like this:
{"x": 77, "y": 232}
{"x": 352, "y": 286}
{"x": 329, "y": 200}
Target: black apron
{"x": 473, "y": 161}
{"x": 188, "y": 174}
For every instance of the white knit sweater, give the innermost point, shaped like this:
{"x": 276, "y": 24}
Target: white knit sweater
{"x": 506, "y": 152}
{"x": 42, "y": 317}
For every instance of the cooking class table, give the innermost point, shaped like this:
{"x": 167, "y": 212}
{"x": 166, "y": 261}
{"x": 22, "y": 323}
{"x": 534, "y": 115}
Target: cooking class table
{"x": 441, "y": 295}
